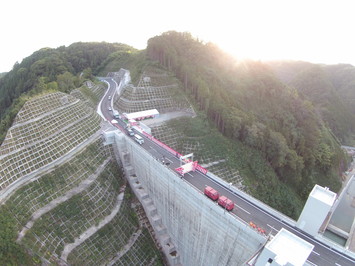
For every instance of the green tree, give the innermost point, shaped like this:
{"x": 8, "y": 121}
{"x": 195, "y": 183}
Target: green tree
{"x": 10, "y": 252}
{"x": 248, "y": 103}
{"x": 66, "y": 82}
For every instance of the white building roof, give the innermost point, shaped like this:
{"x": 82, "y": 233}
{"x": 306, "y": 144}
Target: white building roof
{"x": 323, "y": 194}
{"x": 289, "y": 248}
{"x": 142, "y": 114}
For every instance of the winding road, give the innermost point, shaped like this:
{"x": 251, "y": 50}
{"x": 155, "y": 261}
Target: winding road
{"x": 245, "y": 210}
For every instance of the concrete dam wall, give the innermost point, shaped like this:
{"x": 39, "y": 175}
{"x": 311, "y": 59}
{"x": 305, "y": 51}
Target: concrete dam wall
{"x": 202, "y": 232}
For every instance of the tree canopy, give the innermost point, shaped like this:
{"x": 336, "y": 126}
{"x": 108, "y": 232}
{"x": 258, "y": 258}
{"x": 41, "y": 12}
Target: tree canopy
{"x": 50, "y": 68}
{"x": 248, "y": 103}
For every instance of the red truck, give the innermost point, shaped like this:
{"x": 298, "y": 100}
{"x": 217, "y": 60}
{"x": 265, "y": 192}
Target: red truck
{"x": 211, "y": 193}
{"x": 226, "y": 203}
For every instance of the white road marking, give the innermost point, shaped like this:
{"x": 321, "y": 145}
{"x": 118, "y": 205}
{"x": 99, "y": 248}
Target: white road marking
{"x": 241, "y": 209}
{"x": 311, "y": 263}
{"x": 272, "y": 227}
{"x": 316, "y": 253}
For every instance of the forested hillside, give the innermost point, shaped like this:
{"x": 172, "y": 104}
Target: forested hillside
{"x": 50, "y": 69}
{"x": 55, "y": 141}
{"x": 331, "y": 89}
{"x": 249, "y": 104}
{"x": 287, "y": 116}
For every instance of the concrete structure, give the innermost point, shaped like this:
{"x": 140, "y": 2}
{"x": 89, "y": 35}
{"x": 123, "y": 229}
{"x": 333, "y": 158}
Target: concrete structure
{"x": 342, "y": 221}
{"x": 174, "y": 208}
{"x": 316, "y": 209}
{"x": 122, "y": 76}
{"x": 192, "y": 229}
{"x": 285, "y": 249}
{"x": 142, "y": 115}
{"x": 145, "y": 128}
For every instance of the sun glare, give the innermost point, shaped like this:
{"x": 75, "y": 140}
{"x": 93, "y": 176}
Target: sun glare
{"x": 318, "y": 31}
{"x": 281, "y": 30}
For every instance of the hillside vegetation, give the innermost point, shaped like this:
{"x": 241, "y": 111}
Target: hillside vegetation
{"x": 50, "y": 69}
{"x": 75, "y": 185}
{"x": 42, "y": 125}
{"x": 331, "y": 89}
{"x": 249, "y": 104}
{"x": 292, "y": 119}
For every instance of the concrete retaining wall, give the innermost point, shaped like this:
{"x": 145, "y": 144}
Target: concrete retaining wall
{"x": 202, "y": 232}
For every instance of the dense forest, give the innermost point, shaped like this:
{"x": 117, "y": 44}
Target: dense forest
{"x": 330, "y": 88}
{"x": 249, "y": 104}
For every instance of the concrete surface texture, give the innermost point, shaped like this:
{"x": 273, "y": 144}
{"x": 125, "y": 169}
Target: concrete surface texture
{"x": 203, "y": 233}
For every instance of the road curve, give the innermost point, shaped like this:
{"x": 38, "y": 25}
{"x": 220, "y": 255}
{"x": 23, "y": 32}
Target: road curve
{"x": 244, "y": 210}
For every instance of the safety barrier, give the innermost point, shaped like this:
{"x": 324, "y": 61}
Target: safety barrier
{"x": 172, "y": 151}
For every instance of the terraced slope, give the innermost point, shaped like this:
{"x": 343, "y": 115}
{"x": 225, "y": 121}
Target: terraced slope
{"x": 67, "y": 221}
{"x": 89, "y": 93}
{"x": 154, "y": 91}
{"x": 46, "y": 128}
{"x": 205, "y": 151}
{"x": 64, "y": 188}
{"x": 158, "y": 90}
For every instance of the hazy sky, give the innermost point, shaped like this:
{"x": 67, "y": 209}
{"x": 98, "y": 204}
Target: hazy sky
{"x": 319, "y": 31}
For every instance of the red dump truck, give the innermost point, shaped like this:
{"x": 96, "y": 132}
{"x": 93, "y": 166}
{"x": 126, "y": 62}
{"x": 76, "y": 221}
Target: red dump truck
{"x": 226, "y": 203}
{"x": 211, "y": 193}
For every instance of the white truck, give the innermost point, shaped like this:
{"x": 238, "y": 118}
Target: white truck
{"x": 116, "y": 114}
{"x": 138, "y": 139}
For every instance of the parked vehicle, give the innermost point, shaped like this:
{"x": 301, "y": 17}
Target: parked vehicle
{"x": 226, "y": 203}
{"x": 116, "y": 114}
{"x": 129, "y": 131}
{"x": 139, "y": 139}
{"x": 222, "y": 200}
{"x": 211, "y": 193}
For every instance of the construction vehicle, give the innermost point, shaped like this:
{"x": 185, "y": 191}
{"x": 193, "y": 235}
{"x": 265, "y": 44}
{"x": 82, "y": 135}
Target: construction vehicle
{"x": 211, "y": 193}
{"x": 223, "y": 201}
{"x": 226, "y": 203}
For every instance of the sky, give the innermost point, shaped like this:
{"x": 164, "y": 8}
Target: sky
{"x": 317, "y": 31}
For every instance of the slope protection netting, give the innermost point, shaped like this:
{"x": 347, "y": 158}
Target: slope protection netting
{"x": 206, "y": 157}
{"x": 108, "y": 240}
{"x": 124, "y": 241}
{"x": 163, "y": 94}
{"x": 70, "y": 219}
{"x": 90, "y": 95}
{"x": 25, "y": 133}
{"x": 30, "y": 158}
{"x": 162, "y": 105}
{"x": 46, "y": 138}
{"x": 98, "y": 90}
{"x": 139, "y": 94}
{"x": 48, "y": 187}
{"x": 167, "y": 135}
{"x": 79, "y": 95}
{"x": 143, "y": 252}
{"x": 43, "y": 104}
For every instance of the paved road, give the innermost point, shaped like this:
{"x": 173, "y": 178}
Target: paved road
{"x": 245, "y": 210}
